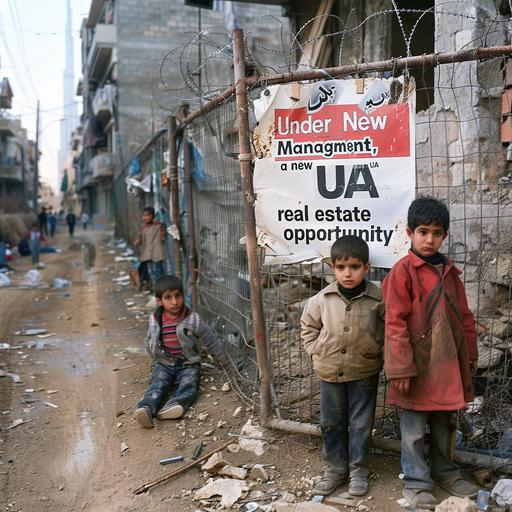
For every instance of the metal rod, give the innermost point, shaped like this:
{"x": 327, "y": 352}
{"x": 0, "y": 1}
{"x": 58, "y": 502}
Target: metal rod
{"x": 416, "y": 61}
{"x": 244, "y": 140}
{"x": 35, "y": 192}
{"x": 460, "y": 456}
{"x": 146, "y": 487}
{"x": 192, "y": 248}
{"x": 175, "y": 198}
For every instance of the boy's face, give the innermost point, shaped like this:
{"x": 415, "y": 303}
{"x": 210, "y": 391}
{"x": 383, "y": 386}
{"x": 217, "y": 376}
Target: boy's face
{"x": 350, "y": 272}
{"x": 147, "y": 218}
{"x": 171, "y": 301}
{"x": 427, "y": 238}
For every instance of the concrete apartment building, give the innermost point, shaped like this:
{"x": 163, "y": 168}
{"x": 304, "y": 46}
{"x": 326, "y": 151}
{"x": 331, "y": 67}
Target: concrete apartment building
{"x": 17, "y": 156}
{"x": 123, "y": 42}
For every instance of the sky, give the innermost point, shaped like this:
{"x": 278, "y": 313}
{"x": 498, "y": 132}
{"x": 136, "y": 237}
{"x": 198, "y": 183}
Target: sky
{"x": 32, "y": 53}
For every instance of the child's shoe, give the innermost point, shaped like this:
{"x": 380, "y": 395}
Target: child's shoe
{"x": 329, "y": 482}
{"x": 420, "y": 498}
{"x": 358, "y": 487}
{"x": 170, "y": 412}
{"x": 458, "y": 487}
{"x": 144, "y": 417}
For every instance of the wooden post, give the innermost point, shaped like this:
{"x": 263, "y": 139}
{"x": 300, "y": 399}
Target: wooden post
{"x": 192, "y": 249}
{"x": 175, "y": 198}
{"x": 245, "y": 158}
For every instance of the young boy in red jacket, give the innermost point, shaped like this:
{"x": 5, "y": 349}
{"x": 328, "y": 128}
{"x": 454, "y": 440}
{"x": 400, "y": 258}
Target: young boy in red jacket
{"x": 430, "y": 354}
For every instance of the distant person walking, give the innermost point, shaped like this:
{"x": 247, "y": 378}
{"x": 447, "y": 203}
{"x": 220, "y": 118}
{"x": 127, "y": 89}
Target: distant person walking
{"x": 71, "y": 221}
{"x": 52, "y": 219}
{"x": 84, "y": 219}
{"x": 42, "y": 220}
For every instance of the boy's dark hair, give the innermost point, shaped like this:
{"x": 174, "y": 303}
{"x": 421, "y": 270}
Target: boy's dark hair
{"x": 168, "y": 283}
{"x": 350, "y": 246}
{"x": 427, "y": 210}
{"x": 150, "y": 210}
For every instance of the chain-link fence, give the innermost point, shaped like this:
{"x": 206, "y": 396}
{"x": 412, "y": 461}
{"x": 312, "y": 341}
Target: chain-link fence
{"x": 462, "y": 135}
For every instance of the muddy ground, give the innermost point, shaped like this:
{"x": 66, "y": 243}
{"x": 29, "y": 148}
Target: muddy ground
{"x": 78, "y": 389}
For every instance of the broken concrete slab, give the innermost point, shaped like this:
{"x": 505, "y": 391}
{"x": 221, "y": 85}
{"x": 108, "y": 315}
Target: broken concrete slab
{"x": 258, "y": 472}
{"x": 454, "y": 504}
{"x": 251, "y": 442}
{"x": 233, "y": 472}
{"x": 214, "y": 464}
{"x": 229, "y": 490}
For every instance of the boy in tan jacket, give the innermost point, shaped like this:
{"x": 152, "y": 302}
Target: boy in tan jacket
{"x": 342, "y": 329}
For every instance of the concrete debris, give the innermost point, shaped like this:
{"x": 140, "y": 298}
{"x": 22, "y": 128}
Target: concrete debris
{"x": 502, "y": 492}
{"x": 253, "y": 444}
{"x": 229, "y": 490}
{"x": 203, "y": 416}
{"x": 33, "y": 332}
{"x": 4, "y": 280}
{"x": 237, "y": 411}
{"x": 233, "y": 448}
{"x": 226, "y": 387}
{"x": 233, "y": 472}
{"x": 288, "y": 497}
{"x": 59, "y": 282}
{"x": 305, "y": 506}
{"x": 14, "y": 376}
{"x": 124, "y": 447}
{"x": 4, "y": 346}
{"x": 258, "y": 472}
{"x": 454, "y": 504}
{"x": 17, "y": 423}
{"x": 214, "y": 464}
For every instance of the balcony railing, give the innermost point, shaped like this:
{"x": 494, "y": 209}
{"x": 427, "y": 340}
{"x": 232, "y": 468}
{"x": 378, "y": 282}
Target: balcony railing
{"x": 100, "y": 53}
{"x": 11, "y": 169}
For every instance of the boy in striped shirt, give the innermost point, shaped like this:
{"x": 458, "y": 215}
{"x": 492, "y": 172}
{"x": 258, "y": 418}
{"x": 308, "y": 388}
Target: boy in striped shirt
{"x": 174, "y": 341}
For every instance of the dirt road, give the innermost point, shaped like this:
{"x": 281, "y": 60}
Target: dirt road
{"x": 77, "y": 392}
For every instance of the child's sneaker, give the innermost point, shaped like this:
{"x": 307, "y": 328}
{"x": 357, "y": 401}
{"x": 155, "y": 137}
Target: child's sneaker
{"x": 329, "y": 483}
{"x": 420, "y": 498}
{"x": 170, "y": 412}
{"x": 144, "y": 417}
{"x": 358, "y": 487}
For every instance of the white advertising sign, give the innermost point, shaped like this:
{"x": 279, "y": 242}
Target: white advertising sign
{"x": 334, "y": 158}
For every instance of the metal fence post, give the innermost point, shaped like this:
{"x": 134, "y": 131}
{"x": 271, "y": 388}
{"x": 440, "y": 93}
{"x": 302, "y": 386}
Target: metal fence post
{"x": 192, "y": 250}
{"x": 245, "y": 158}
{"x": 175, "y": 199}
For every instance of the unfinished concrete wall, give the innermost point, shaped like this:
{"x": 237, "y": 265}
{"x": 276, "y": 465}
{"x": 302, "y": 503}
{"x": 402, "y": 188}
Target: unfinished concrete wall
{"x": 459, "y": 154}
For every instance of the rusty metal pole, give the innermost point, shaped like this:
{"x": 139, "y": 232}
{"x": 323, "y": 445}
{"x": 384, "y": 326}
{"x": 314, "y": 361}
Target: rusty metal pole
{"x": 245, "y": 158}
{"x": 175, "y": 198}
{"x": 192, "y": 249}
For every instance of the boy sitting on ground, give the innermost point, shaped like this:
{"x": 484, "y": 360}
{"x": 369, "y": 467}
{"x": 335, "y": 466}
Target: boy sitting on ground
{"x": 342, "y": 330}
{"x": 174, "y": 341}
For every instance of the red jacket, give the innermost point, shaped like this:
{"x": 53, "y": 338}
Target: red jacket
{"x": 430, "y": 336}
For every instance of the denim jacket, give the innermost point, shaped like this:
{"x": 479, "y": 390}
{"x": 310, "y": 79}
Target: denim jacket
{"x": 193, "y": 335}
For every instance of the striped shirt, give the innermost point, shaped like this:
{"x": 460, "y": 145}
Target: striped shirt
{"x": 169, "y": 335}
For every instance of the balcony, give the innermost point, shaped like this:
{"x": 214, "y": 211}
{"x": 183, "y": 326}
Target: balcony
{"x": 103, "y": 102}
{"x": 8, "y": 127}
{"x": 102, "y": 166}
{"x": 11, "y": 170}
{"x": 101, "y": 52}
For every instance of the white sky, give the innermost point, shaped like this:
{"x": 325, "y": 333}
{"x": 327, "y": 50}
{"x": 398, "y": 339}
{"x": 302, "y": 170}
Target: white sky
{"x": 32, "y": 53}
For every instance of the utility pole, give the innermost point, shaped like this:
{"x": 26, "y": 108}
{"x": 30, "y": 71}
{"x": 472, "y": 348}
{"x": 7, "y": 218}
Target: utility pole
{"x": 36, "y": 164}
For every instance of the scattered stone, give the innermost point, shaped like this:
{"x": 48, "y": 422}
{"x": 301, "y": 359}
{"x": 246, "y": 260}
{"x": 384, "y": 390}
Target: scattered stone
{"x": 221, "y": 424}
{"x": 229, "y": 490}
{"x": 209, "y": 432}
{"x": 202, "y": 416}
{"x": 233, "y": 472}
{"x": 214, "y": 464}
{"x": 454, "y": 504}
{"x": 288, "y": 497}
{"x": 258, "y": 472}
{"x": 124, "y": 447}
{"x": 305, "y": 506}
{"x": 233, "y": 448}
{"x": 237, "y": 411}
{"x": 249, "y": 443}
{"x": 226, "y": 387}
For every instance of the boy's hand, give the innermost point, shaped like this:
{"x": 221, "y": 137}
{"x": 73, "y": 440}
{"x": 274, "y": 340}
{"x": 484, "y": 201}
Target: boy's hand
{"x": 402, "y": 385}
{"x": 473, "y": 367}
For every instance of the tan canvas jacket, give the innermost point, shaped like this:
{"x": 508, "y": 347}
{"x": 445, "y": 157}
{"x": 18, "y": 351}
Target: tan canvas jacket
{"x": 344, "y": 338}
